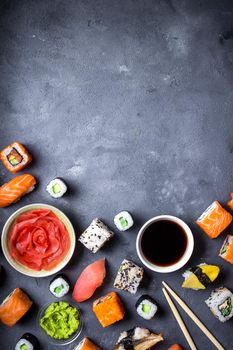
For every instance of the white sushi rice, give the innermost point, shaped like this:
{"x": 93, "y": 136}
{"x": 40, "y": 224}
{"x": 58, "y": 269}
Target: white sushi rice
{"x": 59, "y": 282}
{"x": 25, "y": 342}
{"x": 218, "y": 300}
{"x": 123, "y": 221}
{"x": 225, "y": 246}
{"x": 56, "y": 188}
{"x": 8, "y": 150}
{"x": 152, "y": 309}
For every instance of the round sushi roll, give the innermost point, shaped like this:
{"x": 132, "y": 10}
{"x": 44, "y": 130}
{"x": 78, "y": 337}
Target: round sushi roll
{"x": 56, "y": 188}
{"x": 27, "y": 342}
{"x": 146, "y": 307}
{"x": 123, "y": 221}
{"x": 59, "y": 286}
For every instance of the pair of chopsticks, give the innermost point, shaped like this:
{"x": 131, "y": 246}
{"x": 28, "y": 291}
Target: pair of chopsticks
{"x": 190, "y": 313}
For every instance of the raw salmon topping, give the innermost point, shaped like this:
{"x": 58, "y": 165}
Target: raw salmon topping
{"x": 39, "y": 240}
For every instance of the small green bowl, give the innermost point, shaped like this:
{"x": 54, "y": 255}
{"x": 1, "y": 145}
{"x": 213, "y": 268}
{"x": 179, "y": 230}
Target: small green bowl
{"x": 24, "y": 269}
{"x": 60, "y": 342}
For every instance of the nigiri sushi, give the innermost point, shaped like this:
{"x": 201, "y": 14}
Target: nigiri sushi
{"x": 200, "y": 276}
{"x": 214, "y": 220}
{"x": 90, "y": 279}
{"x": 15, "y": 157}
{"x": 109, "y": 309}
{"x": 86, "y": 344}
{"x": 226, "y": 252}
{"x": 13, "y": 190}
{"x": 14, "y": 307}
{"x": 230, "y": 202}
{"x": 175, "y": 347}
{"x": 137, "y": 339}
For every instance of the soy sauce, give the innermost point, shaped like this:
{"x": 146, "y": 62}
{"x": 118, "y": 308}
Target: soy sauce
{"x": 164, "y": 243}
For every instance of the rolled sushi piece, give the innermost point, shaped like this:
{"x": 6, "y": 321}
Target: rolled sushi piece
{"x": 146, "y": 307}
{"x": 59, "y": 286}
{"x": 137, "y": 339}
{"x": 220, "y": 303}
{"x": 27, "y": 342}
{"x": 123, "y": 221}
{"x": 200, "y": 276}
{"x": 56, "y": 188}
{"x": 226, "y": 251}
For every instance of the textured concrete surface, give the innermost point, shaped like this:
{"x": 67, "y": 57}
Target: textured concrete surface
{"x": 131, "y": 102}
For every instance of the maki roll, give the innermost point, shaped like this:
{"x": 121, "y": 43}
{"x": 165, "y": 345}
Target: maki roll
{"x": 226, "y": 252}
{"x": 200, "y": 276}
{"x": 86, "y": 344}
{"x": 129, "y": 276}
{"x": 27, "y": 342}
{"x": 109, "y": 309}
{"x": 146, "y": 307}
{"x": 137, "y": 339}
{"x": 220, "y": 303}
{"x": 56, "y": 188}
{"x": 59, "y": 286}
{"x": 15, "y": 157}
{"x": 123, "y": 221}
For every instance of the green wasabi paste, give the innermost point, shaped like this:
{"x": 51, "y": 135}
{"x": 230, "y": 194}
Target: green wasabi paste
{"x": 60, "y": 320}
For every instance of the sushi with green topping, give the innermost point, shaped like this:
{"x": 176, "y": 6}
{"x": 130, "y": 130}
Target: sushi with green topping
{"x": 59, "y": 286}
{"x": 220, "y": 303}
{"x": 27, "y": 342}
{"x": 146, "y": 307}
{"x": 56, "y": 188}
{"x": 123, "y": 221}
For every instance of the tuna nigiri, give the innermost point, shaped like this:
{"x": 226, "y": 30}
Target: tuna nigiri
{"x": 214, "y": 220}
{"x": 90, "y": 279}
{"x": 175, "y": 347}
{"x": 15, "y": 189}
{"x": 14, "y": 307}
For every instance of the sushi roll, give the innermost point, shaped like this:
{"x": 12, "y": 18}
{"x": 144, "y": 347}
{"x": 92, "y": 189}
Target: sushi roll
{"x": 230, "y": 202}
{"x": 123, "y": 221}
{"x": 220, "y": 303}
{"x": 13, "y": 190}
{"x": 137, "y": 339}
{"x": 129, "y": 276}
{"x": 200, "y": 276}
{"x": 109, "y": 309}
{"x": 56, "y": 188}
{"x": 86, "y": 344}
{"x": 214, "y": 220}
{"x": 15, "y": 157}
{"x": 96, "y": 235}
{"x": 27, "y": 342}
{"x": 59, "y": 286}
{"x": 146, "y": 307}
{"x": 226, "y": 252}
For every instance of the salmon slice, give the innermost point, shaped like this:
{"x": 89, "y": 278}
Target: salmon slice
{"x": 15, "y": 189}
{"x": 86, "y": 344}
{"x": 14, "y": 307}
{"x": 230, "y": 203}
{"x": 91, "y": 278}
{"x": 175, "y": 347}
{"x": 214, "y": 220}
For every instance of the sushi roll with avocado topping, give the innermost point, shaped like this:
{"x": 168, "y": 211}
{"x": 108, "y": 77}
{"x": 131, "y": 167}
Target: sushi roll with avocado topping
{"x": 200, "y": 276}
{"x": 123, "y": 221}
{"x": 220, "y": 303}
{"x": 56, "y": 188}
{"x": 59, "y": 286}
{"x": 146, "y": 307}
{"x": 27, "y": 342}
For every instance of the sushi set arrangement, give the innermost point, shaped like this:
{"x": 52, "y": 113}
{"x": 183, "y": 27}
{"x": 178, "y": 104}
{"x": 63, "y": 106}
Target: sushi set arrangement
{"x": 39, "y": 240}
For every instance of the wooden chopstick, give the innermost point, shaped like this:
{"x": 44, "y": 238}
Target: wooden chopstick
{"x": 195, "y": 319}
{"x": 179, "y": 320}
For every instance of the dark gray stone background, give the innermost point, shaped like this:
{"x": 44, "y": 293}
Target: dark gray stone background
{"x": 131, "y": 102}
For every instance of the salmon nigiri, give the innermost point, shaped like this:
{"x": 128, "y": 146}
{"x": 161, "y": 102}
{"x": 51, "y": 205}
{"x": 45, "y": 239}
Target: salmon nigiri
{"x": 15, "y": 189}
{"x": 214, "y": 220}
{"x": 90, "y": 279}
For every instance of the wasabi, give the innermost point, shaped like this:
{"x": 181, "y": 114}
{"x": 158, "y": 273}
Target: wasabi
{"x": 60, "y": 320}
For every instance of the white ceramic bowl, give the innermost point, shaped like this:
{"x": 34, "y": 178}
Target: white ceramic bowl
{"x": 184, "y": 259}
{"x": 24, "y": 269}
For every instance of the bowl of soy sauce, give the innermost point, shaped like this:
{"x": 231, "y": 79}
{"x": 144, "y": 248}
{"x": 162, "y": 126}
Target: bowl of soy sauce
{"x": 165, "y": 243}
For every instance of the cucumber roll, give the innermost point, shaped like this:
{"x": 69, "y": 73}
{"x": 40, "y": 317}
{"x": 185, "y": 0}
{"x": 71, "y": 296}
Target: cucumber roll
{"x": 123, "y": 221}
{"x": 27, "y": 342}
{"x": 56, "y": 188}
{"x": 59, "y": 286}
{"x": 146, "y": 307}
